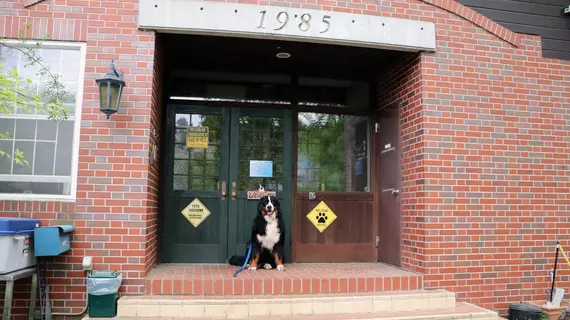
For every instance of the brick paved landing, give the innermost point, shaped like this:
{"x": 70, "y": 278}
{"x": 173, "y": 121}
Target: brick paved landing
{"x": 206, "y": 280}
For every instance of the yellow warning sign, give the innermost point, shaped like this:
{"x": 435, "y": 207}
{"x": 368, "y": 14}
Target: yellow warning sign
{"x": 321, "y": 216}
{"x": 197, "y": 137}
{"x": 196, "y": 212}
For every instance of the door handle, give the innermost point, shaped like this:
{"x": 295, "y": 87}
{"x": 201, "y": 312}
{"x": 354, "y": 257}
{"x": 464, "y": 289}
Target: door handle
{"x": 234, "y": 193}
{"x": 393, "y": 191}
{"x": 224, "y": 190}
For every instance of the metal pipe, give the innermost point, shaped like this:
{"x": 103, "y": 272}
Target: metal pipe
{"x": 82, "y": 311}
{"x": 554, "y": 272}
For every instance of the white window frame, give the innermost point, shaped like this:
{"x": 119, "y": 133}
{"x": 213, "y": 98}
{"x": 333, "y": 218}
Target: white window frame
{"x": 82, "y": 46}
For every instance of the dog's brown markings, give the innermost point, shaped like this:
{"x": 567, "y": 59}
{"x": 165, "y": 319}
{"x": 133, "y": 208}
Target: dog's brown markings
{"x": 278, "y": 261}
{"x": 254, "y": 261}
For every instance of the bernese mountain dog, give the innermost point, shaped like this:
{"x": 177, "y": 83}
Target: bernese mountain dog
{"x": 267, "y": 237}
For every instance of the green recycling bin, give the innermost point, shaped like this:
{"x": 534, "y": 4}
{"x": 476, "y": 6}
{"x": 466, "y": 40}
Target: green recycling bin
{"x": 102, "y": 293}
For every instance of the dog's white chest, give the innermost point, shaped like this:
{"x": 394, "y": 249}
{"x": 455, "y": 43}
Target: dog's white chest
{"x": 271, "y": 236}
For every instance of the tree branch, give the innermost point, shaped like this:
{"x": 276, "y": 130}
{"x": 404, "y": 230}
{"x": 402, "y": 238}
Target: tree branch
{"x": 33, "y": 58}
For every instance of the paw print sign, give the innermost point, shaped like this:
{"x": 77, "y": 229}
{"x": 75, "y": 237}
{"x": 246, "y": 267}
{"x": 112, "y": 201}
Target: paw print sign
{"x": 321, "y": 216}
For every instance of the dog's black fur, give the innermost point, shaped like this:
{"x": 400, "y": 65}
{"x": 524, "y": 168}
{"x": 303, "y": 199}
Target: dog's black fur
{"x": 260, "y": 255}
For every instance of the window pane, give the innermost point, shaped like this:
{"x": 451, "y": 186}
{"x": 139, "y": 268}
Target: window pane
{"x": 197, "y": 168}
{"x": 26, "y": 129}
{"x": 7, "y": 126}
{"x": 44, "y": 158}
{"x": 52, "y": 58}
{"x": 333, "y": 153}
{"x": 5, "y": 162}
{"x": 47, "y": 130}
{"x": 71, "y": 89}
{"x": 9, "y": 59}
{"x": 180, "y": 183}
{"x": 259, "y": 140}
{"x": 180, "y": 166}
{"x": 27, "y": 147}
{"x": 64, "y": 150}
{"x": 18, "y": 187}
{"x": 47, "y": 145}
{"x": 71, "y": 65}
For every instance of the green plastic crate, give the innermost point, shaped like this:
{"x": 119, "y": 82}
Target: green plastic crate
{"x": 103, "y": 306}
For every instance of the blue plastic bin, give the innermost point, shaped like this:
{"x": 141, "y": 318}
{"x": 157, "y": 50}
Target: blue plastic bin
{"x": 16, "y": 245}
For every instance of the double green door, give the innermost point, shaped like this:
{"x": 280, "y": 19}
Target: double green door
{"x": 244, "y": 148}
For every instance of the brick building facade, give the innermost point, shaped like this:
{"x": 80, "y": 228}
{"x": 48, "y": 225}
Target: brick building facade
{"x": 485, "y": 139}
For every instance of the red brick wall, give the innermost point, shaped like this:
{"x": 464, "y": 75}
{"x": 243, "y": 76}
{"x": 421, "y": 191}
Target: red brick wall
{"x": 152, "y": 228}
{"x": 115, "y": 214}
{"x": 496, "y": 158}
{"x": 491, "y": 193}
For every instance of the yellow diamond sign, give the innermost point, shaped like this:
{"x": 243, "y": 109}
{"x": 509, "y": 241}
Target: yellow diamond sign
{"x": 321, "y": 216}
{"x": 196, "y": 212}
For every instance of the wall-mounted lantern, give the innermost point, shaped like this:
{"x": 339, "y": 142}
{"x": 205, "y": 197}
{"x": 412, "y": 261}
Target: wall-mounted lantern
{"x": 110, "y": 90}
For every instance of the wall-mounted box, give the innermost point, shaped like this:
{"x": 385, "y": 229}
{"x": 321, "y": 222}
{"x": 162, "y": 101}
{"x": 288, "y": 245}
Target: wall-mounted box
{"x": 51, "y": 241}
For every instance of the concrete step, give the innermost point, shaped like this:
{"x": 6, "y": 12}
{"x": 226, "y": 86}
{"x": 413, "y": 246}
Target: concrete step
{"x": 462, "y": 311}
{"x": 283, "y": 305}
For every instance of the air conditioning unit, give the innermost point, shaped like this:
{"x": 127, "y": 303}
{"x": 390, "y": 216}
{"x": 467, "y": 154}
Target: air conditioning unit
{"x": 567, "y": 10}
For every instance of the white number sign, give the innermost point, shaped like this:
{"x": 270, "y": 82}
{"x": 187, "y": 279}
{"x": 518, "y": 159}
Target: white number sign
{"x": 303, "y": 21}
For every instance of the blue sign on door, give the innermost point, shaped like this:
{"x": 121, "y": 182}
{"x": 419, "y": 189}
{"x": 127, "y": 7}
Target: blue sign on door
{"x": 260, "y": 169}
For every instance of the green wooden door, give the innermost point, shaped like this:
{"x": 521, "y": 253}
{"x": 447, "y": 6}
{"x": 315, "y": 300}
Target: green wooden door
{"x": 195, "y": 173}
{"x": 260, "y": 135}
{"x": 236, "y": 136}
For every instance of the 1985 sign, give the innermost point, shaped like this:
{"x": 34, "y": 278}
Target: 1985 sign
{"x": 303, "y": 21}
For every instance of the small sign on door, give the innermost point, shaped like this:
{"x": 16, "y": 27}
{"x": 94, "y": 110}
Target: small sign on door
{"x": 321, "y": 216}
{"x": 196, "y": 212}
{"x": 197, "y": 137}
{"x": 260, "y": 169}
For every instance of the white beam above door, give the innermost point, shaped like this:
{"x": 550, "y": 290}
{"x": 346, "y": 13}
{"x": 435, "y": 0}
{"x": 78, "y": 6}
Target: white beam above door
{"x": 285, "y": 23}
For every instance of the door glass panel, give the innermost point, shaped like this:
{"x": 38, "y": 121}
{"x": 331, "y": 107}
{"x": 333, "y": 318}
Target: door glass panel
{"x": 333, "y": 153}
{"x": 197, "y": 169}
{"x": 261, "y": 139}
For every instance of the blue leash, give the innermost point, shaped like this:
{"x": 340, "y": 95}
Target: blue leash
{"x": 246, "y": 260}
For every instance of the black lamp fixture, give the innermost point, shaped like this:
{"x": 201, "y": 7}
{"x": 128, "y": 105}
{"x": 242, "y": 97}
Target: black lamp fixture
{"x": 110, "y": 90}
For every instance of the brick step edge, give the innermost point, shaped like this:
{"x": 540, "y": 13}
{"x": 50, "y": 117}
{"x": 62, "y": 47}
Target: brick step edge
{"x": 463, "y": 311}
{"x": 419, "y": 293}
{"x": 290, "y": 305}
{"x": 270, "y": 286}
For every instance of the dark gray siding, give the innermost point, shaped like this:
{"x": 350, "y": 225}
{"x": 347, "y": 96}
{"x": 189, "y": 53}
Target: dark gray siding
{"x": 537, "y": 17}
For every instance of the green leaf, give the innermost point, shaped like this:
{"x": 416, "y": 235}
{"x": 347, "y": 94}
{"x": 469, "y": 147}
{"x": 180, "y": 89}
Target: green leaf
{"x": 19, "y": 158}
